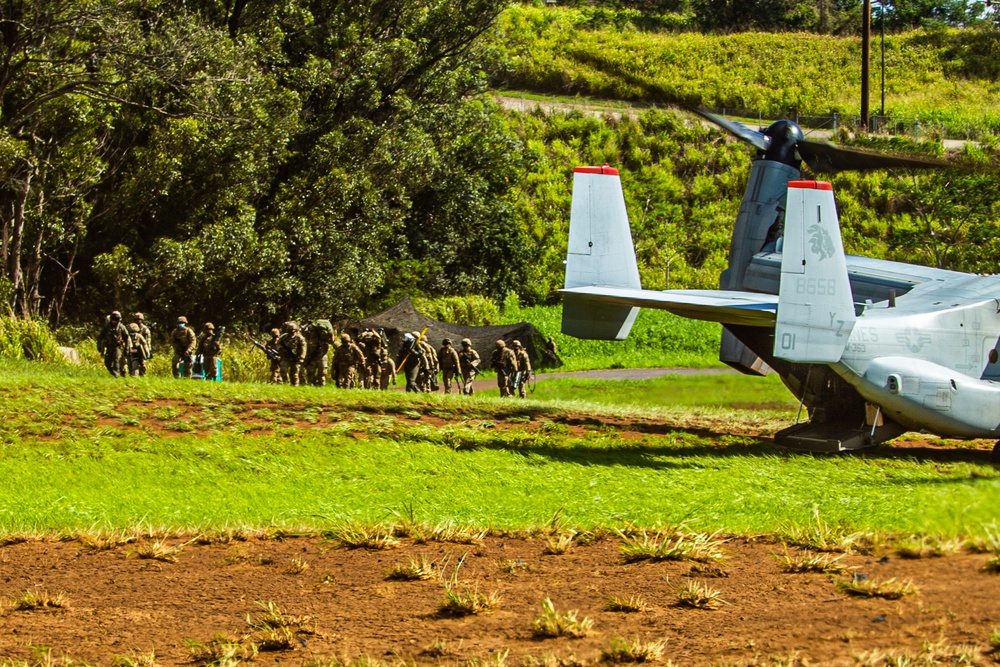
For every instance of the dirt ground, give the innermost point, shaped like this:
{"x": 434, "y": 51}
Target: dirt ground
{"x": 338, "y": 602}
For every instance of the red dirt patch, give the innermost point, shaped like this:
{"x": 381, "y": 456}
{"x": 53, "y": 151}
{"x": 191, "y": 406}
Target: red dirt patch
{"x": 119, "y": 603}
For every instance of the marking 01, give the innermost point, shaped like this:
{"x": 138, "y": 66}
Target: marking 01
{"x": 816, "y": 286}
{"x": 787, "y": 341}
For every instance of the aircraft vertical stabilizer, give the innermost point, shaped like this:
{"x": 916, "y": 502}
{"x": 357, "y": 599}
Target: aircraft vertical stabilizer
{"x": 815, "y": 305}
{"x": 600, "y": 254}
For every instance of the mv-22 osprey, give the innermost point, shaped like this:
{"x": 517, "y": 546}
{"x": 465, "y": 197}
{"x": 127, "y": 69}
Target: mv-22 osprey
{"x": 872, "y": 348}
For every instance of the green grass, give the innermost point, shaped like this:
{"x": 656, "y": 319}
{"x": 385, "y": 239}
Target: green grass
{"x": 80, "y": 452}
{"x": 729, "y": 389}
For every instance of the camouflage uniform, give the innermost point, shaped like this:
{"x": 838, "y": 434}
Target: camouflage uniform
{"x": 209, "y": 349}
{"x": 448, "y": 359}
{"x": 318, "y": 339}
{"x": 523, "y": 369}
{"x": 139, "y": 320}
{"x": 138, "y": 351}
{"x": 111, "y": 342}
{"x": 275, "y": 363}
{"x": 347, "y": 359}
{"x": 371, "y": 346}
{"x": 183, "y": 341}
{"x": 428, "y": 374}
{"x": 411, "y": 362}
{"x": 468, "y": 363}
{"x": 292, "y": 351}
{"x": 387, "y": 370}
{"x": 505, "y": 364}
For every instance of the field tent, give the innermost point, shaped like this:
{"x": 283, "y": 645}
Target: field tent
{"x": 403, "y": 317}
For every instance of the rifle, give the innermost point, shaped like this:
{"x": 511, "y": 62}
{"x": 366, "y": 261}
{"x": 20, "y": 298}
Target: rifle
{"x": 271, "y": 354}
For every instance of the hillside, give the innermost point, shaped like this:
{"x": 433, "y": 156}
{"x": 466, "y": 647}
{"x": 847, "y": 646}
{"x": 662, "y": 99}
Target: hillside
{"x": 944, "y": 77}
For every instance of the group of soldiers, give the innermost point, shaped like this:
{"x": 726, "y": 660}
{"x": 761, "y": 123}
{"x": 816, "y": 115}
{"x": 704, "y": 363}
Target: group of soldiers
{"x": 127, "y": 348}
{"x": 301, "y": 355}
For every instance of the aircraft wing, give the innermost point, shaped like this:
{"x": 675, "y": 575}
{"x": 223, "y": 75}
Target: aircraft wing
{"x": 727, "y": 307}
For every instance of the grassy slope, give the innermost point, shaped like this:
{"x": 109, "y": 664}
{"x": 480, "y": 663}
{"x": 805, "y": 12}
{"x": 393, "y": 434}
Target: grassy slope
{"x": 934, "y": 76}
{"x": 82, "y": 452}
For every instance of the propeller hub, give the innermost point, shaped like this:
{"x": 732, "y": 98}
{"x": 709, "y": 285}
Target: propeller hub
{"x": 785, "y": 136}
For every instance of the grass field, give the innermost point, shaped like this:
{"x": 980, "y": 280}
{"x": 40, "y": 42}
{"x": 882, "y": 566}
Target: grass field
{"x": 81, "y": 452}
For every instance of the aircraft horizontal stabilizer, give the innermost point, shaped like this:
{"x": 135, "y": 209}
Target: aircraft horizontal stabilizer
{"x": 727, "y": 307}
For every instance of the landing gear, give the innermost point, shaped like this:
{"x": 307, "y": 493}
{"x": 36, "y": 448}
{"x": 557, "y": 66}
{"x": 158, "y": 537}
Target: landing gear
{"x": 995, "y": 456}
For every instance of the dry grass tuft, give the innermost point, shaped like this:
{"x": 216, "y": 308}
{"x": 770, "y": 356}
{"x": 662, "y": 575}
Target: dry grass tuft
{"x": 135, "y": 659}
{"x": 810, "y": 562}
{"x": 415, "y": 570}
{"x": 675, "y": 546}
{"x": 222, "y": 650}
{"x": 512, "y": 566}
{"x": 34, "y": 600}
{"x": 631, "y": 604}
{"x": 992, "y": 565}
{"x": 634, "y": 650}
{"x": 916, "y": 546}
{"x": 699, "y": 595}
{"x": 358, "y": 536}
{"x": 888, "y": 589}
{"x": 557, "y": 545}
{"x": 296, "y": 566}
{"x": 158, "y": 550}
{"x": 553, "y": 624}
{"x": 461, "y": 600}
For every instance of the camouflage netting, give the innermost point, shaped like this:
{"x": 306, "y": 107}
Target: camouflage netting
{"x": 403, "y": 318}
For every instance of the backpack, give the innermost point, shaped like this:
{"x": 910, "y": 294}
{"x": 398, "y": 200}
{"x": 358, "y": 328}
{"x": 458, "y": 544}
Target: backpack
{"x": 324, "y": 329}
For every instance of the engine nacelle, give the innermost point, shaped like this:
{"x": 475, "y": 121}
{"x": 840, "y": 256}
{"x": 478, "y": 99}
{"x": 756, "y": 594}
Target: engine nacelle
{"x": 922, "y": 395}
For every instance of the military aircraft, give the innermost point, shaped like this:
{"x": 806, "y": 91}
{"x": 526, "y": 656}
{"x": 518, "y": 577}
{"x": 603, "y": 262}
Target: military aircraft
{"x": 872, "y": 348}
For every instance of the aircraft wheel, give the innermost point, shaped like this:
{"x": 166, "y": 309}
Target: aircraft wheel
{"x": 995, "y": 456}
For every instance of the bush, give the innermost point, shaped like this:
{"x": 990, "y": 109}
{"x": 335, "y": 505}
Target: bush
{"x": 27, "y": 339}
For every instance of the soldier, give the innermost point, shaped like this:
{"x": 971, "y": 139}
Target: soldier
{"x": 468, "y": 363}
{"x": 112, "y": 342}
{"x": 209, "y": 347}
{"x": 347, "y": 359}
{"x": 448, "y": 359}
{"x": 411, "y": 361}
{"x": 551, "y": 354}
{"x": 292, "y": 351}
{"x": 183, "y": 341}
{"x": 371, "y": 346}
{"x": 138, "y": 350}
{"x": 503, "y": 362}
{"x": 318, "y": 340}
{"x": 523, "y": 371}
{"x": 428, "y": 374}
{"x": 275, "y": 362}
{"x": 387, "y": 370}
{"x": 140, "y": 320}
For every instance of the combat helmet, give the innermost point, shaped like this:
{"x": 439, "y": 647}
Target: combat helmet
{"x": 466, "y": 342}
{"x": 134, "y": 328}
{"x": 116, "y": 316}
{"x": 290, "y": 326}
{"x": 182, "y": 320}
{"x": 446, "y": 341}
{"x": 275, "y": 332}
{"x": 209, "y": 326}
{"x": 500, "y": 344}
{"x": 515, "y": 343}
{"x": 138, "y": 317}
{"x": 345, "y": 338}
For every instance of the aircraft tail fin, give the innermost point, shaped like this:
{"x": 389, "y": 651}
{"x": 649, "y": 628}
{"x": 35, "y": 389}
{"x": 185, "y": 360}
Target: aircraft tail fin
{"x": 815, "y": 305}
{"x": 600, "y": 254}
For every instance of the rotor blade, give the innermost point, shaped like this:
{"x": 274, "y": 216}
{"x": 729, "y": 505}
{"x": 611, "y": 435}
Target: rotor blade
{"x": 823, "y": 156}
{"x": 739, "y": 130}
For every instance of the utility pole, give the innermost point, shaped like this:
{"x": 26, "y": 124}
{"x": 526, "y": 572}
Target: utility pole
{"x": 866, "y": 47}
